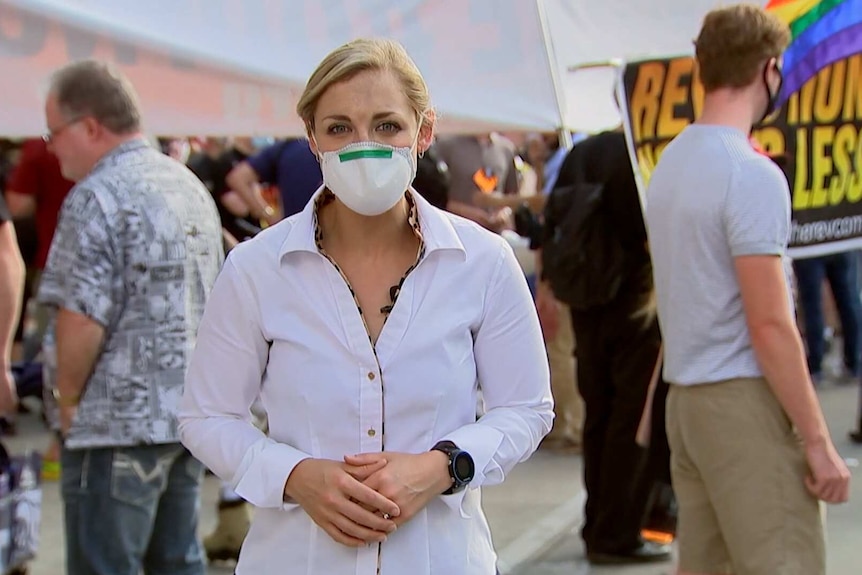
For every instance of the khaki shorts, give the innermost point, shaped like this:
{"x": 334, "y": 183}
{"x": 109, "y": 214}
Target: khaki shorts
{"x": 738, "y": 472}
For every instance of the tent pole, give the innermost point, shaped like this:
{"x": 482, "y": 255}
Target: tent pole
{"x": 565, "y": 140}
{"x": 612, "y": 63}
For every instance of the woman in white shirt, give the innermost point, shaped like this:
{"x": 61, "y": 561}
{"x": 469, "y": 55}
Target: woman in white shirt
{"x": 368, "y": 324}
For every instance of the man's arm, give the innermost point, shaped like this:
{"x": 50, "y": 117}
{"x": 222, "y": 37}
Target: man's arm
{"x": 79, "y": 343}
{"x": 777, "y": 344}
{"x": 475, "y": 214}
{"x": 497, "y": 201}
{"x": 11, "y": 293}
{"x": 781, "y": 356}
{"x": 235, "y": 204}
{"x": 244, "y": 180}
{"x": 80, "y": 281}
{"x": 230, "y": 242}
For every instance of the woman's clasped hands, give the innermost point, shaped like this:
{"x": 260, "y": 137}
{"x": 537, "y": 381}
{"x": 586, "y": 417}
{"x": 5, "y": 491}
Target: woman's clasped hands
{"x": 368, "y": 496}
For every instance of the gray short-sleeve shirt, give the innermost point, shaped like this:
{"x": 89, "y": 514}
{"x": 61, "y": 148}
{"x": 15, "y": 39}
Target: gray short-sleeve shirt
{"x": 711, "y": 198}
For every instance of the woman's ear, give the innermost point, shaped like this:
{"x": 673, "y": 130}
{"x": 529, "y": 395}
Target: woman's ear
{"x": 426, "y": 131}
{"x": 312, "y": 143}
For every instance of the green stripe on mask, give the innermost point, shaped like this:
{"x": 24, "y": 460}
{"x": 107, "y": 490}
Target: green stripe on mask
{"x": 358, "y": 154}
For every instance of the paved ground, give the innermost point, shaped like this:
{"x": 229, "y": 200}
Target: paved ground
{"x": 533, "y": 515}
{"x": 844, "y": 522}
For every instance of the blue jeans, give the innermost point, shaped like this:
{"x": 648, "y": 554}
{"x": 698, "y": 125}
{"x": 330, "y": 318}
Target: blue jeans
{"x": 841, "y": 271}
{"x": 130, "y": 509}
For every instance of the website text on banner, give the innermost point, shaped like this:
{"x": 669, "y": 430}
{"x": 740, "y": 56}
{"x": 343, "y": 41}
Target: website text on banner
{"x": 816, "y": 138}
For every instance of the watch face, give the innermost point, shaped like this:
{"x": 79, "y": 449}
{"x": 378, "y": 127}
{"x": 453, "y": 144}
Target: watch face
{"x": 463, "y": 467}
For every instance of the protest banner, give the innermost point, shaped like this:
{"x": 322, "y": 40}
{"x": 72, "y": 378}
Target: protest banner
{"x": 816, "y": 138}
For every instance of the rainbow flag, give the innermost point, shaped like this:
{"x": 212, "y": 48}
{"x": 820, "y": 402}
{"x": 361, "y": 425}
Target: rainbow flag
{"x": 823, "y": 32}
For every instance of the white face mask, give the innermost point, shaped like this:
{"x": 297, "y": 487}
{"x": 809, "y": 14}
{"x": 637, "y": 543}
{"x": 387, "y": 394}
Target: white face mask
{"x": 369, "y": 178}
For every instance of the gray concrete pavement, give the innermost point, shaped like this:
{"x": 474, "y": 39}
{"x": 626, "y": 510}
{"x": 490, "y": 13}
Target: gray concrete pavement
{"x": 844, "y": 522}
{"x": 533, "y": 516}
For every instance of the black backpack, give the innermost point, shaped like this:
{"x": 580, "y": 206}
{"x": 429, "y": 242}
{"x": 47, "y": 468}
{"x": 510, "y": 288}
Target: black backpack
{"x": 582, "y": 257}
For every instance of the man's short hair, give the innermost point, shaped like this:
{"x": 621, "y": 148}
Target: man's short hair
{"x": 96, "y": 89}
{"x": 734, "y": 43}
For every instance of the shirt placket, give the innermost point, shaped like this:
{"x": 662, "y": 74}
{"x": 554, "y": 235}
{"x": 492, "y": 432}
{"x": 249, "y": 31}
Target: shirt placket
{"x": 371, "y": 396}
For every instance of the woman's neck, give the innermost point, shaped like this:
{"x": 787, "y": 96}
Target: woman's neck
{"x": 346, "y": 230}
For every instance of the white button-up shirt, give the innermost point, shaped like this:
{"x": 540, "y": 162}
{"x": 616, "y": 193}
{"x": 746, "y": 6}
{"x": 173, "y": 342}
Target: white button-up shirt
{"x": 281, "y": 324}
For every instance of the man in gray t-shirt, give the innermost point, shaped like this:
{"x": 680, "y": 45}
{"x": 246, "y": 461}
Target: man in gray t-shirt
{"x": 712, "y": 199}
{"x": 718, "y": 216}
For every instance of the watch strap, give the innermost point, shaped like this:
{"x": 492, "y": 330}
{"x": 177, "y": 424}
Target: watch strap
{"x": 450, "y": 449}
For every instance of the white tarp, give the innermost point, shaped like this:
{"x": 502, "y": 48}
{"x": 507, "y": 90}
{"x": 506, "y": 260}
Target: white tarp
{"x": 598, "y": 31}
{"x": 238, "y": 66}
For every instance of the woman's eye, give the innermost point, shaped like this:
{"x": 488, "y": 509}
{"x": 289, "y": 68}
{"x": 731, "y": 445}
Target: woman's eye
{"x": 391, "y": 127}
{"x": 337, "y": 129}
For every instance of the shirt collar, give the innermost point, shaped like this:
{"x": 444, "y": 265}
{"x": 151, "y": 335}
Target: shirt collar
{"x": 438, "y": 233}
{"x": 131, "y": 145}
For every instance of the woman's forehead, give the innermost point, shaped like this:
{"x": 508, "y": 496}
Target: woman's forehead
{"x": 368, "y": 92}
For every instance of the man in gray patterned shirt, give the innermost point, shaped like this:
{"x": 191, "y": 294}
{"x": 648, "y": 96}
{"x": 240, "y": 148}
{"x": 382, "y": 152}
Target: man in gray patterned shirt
{"x": 136, "y": 251}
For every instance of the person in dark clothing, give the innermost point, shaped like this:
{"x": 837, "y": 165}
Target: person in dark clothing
{"x": 840, "y": 270}
{"x": 212, "y": 167}
{"x": 290, "y": 166}
{"x": 432, "y": 178}
{"x": 618, "y": 343}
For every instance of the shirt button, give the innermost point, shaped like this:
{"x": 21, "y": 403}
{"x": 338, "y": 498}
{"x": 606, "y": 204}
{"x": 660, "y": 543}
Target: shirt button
{"x": 371, "y": 375}
{"x": 371, "y": 433}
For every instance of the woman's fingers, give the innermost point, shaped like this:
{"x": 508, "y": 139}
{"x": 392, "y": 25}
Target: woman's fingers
{"x": 371, "y": 499}
{"x": 367, "y": 518}
{"x": 354, "y": 530}
{"x": 341, "y": 537}
{"x": 365, "y": 459}
{"x": 362, "y": 472}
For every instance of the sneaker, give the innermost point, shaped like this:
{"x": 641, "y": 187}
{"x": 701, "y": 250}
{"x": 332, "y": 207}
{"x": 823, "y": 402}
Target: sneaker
{"x": 646, "y": 552}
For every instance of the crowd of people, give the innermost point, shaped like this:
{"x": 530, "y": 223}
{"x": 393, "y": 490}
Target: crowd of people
{"x": 337, "y": 327}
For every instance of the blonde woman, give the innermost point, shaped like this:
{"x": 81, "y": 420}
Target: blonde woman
{"x": 368, "y": 324}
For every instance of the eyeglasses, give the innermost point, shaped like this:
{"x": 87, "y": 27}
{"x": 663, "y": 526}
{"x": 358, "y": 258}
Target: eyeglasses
{"x": 54, "y": 132}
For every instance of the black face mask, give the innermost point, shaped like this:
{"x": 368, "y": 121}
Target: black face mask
{"x": 772, "y": 97}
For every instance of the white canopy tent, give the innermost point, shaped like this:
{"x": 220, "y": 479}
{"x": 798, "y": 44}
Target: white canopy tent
{"x": 591, "y": 38}
{"x": 238, "y": 66}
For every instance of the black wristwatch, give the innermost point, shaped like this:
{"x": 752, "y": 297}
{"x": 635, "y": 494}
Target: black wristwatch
{"x": 461, "y": 466}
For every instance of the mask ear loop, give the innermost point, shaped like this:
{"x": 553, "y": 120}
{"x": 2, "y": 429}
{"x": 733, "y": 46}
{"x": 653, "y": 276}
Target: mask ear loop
{"x": 318, "y": 155}
{"x": 418, "y": 132}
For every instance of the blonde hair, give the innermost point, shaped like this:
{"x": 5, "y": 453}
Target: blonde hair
{"x": 362, "y": 55}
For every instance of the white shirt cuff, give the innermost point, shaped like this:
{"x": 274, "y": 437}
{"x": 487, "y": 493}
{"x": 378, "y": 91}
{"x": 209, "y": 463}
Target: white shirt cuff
{"x": 263, "y": 472}
{"x": 482, "y": 443}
